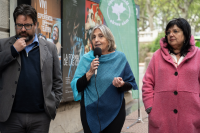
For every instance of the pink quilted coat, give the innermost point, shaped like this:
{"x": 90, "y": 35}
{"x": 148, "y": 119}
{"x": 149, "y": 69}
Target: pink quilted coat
{"x": 173, "y": 93}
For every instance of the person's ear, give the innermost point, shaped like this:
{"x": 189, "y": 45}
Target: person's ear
{"x": 35, "y": 24}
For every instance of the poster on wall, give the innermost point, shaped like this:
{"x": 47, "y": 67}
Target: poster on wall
{"x": 73, "y": 41}
{"x": 93, "y": 16}
{"x": 49, "y": 21}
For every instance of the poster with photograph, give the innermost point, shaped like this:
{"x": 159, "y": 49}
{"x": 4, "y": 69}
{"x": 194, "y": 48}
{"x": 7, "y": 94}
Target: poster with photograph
{"x": 49, "y": 21}
{"x": 93, "y": 16}
{"x": 73, "y": 41}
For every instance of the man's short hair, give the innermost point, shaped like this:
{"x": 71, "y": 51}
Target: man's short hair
{"x": 25, "y": 10}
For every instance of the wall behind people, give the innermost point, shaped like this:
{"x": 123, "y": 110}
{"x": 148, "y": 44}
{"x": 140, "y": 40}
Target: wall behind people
{"x": 4, "y": 18}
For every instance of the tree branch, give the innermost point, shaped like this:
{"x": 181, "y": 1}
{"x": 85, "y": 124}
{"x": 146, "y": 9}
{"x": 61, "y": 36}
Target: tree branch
{"x": 145, "y": 18}
{"x": 176, "y": 9}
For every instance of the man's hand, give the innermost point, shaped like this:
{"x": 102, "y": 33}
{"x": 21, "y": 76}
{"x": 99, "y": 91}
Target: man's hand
{"x": 20, "y": 44}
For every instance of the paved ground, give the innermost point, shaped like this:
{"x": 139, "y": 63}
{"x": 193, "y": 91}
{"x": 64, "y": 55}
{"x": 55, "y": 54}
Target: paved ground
{"x": 139, "y": 126}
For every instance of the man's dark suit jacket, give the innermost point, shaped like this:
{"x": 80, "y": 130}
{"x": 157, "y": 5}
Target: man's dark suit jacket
{"x": 50, "y": 74}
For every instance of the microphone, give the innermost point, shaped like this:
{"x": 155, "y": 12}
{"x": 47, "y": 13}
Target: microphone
{"x": 97, "y": 54}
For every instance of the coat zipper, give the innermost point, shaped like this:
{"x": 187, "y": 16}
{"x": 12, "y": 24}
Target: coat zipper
{"x": 31, "y": 50}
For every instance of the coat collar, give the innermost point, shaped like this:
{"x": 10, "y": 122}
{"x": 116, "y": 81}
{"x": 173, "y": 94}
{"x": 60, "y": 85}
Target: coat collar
{"x": 43, "y": 51}
{"x": 165, "y": 53}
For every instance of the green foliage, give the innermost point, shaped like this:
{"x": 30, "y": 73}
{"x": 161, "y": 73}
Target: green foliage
{"x": 193, "y": 15}
{"x": 166, "y": 10}
{"x": 156, "y": 44}
{"x": 197, "y": 44}
{"x": 143, "y": 50}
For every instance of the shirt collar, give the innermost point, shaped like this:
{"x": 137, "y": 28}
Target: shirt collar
{"x": 174, "y": 54}
{"x": 35, "y": 40}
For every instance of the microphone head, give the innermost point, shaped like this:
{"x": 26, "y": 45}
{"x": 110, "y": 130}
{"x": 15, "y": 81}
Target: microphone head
{"x": 97, "y": 51}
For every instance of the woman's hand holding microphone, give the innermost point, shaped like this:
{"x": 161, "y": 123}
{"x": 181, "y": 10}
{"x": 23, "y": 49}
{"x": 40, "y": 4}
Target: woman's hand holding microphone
{"x": 93, "y": 66}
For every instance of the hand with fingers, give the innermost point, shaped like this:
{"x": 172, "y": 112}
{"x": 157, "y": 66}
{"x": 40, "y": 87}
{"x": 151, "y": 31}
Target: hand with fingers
{"x": 20, "y": 44}
{"x": 118, "y": 82}
{"x": 93, "y": 66}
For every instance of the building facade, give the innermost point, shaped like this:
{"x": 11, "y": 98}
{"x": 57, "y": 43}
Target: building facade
{"x": 4, "y": 18}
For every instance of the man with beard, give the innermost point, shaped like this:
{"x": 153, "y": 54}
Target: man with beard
{"x": 30, "y": 77}
{"x": 55, "y": 38}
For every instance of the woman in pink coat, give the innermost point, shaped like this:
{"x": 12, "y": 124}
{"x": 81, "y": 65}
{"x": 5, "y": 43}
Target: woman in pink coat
{"x": 171, "y": 85}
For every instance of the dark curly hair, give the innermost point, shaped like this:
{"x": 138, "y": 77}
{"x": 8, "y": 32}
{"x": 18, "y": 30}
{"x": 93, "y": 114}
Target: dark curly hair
{"x": 25, "y": 10}
{"x": 185, "y": 27}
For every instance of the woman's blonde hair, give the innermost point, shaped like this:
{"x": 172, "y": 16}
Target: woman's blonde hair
{"x": 107, "y": 34}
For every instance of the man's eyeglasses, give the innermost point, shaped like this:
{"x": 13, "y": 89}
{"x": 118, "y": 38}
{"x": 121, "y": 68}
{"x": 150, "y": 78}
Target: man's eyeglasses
{"x": 26, "y": 26}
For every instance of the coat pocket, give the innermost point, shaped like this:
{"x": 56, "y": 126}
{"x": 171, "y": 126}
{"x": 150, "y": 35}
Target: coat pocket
{"x": 196, "y": 122}
{"x": 154, "y": 117}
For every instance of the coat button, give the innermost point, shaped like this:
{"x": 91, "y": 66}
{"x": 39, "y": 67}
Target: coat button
{"x": 175, "y": 93}
{"x": 176, "y": 73}
{"x": 15, "y": 82}
{"x": 175, "y": 111}
{"x": 13, "y": 96}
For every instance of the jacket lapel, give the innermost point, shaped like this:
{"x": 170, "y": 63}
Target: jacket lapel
{"x": 11, "y": 42}
{"x": 43, "y": 52}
